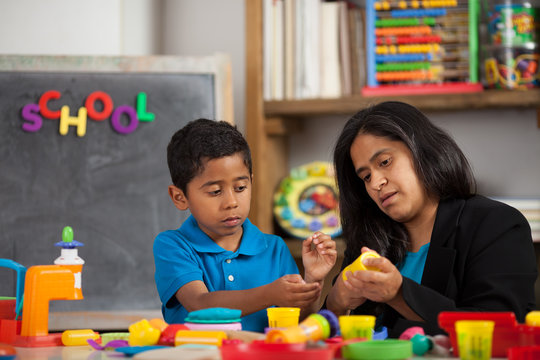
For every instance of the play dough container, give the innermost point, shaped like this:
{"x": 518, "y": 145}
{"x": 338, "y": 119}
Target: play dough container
{"x": 474, "y": 339}
{"x": 358, "y": 264}
{"x": 282, "y": 317}
{"x": 357, "y": 326}
{"x": 314, "y": 328}
{"x": 391, "y": 349}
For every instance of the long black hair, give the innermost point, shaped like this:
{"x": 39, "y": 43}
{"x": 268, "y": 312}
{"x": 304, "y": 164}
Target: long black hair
{"x": 438, "y": 161}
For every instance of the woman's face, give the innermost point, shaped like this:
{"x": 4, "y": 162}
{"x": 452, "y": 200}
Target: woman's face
{"x": 387, "y": 169}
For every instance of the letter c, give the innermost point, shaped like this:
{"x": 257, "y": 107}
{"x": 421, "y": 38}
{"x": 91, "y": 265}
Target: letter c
{"x": 44, "y": 99}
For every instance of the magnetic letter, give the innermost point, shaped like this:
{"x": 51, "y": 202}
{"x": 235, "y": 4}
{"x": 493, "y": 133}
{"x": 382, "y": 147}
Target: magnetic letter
{"x": 44, "y": 99}
{"x": 105, "y": 100}
{"x": 30, "y": 113}
{"x": 66, "y": 121}
{"x": 141, "y": 108}
{"x": 133, "y": 121}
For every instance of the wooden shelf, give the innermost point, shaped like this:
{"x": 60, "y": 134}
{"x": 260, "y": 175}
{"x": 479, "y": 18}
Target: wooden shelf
{"x": 438, "y": 102}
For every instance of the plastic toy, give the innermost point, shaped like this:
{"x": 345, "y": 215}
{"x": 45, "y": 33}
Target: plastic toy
{"x": 167, "y": 335}
{"x": 357, "y": 326}
{"x": 199, "y": 337}
{"x": 281, "y": 317}
{"x": 474, "y": 339}
{"x": 134, "y": 350}
{"x": 109, "y": 345}
{"x": 265, "y": 351}
{"x": 306, "y": 201}
{"x": 10, "y": 308}
{"x": 214, "y": 319}
{"x": 159, "y": 324}
{"x": 391, "y": 349}
{"x": 142, "y": 333}
{"x": 507, "y": 333}
{"x": 7, "y": 352}
{"x": 78, "y": 337}
{"x": 315, "y": 327}
{"x": 419, "y": 47}
{"x": 43, "y": 283}
{"x": 358, "y": 264}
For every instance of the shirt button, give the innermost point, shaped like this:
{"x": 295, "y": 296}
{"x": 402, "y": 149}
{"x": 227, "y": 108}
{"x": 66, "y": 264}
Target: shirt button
{"x": 231, "y": 278}
{"x": 228, "y": 261}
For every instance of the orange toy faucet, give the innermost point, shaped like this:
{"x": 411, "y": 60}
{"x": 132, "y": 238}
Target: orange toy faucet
{"x": 43, "y": 283}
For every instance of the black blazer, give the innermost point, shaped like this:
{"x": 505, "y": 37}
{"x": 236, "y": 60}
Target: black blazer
{"x": 481, "y": 258}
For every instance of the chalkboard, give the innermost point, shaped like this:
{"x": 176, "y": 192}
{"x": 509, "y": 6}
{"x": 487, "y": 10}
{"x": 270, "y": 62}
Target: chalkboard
{"x": 109, "y": 186}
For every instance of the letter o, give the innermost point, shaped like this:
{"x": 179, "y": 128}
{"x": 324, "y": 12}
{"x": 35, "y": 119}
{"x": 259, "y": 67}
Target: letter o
{"x": 105, "y": 100}
{"x": 133, "y": 120}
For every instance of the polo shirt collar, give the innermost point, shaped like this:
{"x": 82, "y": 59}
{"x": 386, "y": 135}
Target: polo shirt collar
{"x": 253, "y": 240}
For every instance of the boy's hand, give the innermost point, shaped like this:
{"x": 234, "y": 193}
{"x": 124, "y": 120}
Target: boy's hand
{"x": 321, "y": 259}
{"x": 292, "y": 291}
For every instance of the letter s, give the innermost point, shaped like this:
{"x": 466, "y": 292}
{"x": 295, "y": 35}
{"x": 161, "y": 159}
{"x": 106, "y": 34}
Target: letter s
{"x": 30, "y": 113}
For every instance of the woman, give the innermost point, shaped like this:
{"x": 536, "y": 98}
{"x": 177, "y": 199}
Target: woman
{"x": 408, "y": 193}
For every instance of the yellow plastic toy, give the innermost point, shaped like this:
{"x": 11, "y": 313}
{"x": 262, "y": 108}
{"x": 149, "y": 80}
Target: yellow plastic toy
{"x": 201, "y": 337}
{"x": 142, "y": 333}
{"x": 358, "y": 264}
{"x": 78, "y": 337}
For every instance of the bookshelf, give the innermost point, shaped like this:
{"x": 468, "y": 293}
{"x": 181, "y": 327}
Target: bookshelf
{"x": 268, "y": 123}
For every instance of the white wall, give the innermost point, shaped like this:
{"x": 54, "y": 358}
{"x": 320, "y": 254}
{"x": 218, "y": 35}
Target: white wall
{"x": 203, "y": 27}
{"x": 502, "y": 145}
{"x": 68, "y": 27}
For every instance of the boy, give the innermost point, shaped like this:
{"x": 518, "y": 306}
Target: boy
{"x": 217, "y": 258}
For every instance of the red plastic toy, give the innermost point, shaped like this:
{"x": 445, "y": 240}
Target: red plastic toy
{"x": 506, "y": 334}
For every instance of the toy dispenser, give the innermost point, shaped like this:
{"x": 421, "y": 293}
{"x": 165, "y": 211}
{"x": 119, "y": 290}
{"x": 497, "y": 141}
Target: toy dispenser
{"x": 43, "y": 283}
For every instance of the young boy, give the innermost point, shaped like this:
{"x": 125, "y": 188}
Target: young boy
{"x": 217, "y": 258}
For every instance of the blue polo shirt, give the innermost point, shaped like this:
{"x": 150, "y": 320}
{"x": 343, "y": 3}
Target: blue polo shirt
{"x": 188, "y": 254}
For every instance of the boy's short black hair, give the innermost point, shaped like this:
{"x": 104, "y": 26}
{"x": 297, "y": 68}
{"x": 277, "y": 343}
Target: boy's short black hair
{"x": 199, "y": 141}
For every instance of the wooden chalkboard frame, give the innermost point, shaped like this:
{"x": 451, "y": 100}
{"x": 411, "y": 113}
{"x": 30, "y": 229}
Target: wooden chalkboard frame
{"x": 217, "y": 65}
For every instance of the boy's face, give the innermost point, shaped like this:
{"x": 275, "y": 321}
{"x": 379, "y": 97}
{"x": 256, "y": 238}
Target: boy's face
{"x": 219, "y": 198}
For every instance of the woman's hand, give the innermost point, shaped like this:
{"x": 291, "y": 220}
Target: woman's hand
{"x": 379, "y": 286}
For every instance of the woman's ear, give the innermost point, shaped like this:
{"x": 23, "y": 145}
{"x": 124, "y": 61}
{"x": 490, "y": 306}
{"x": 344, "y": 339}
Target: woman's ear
{"x": 178, "y": 198}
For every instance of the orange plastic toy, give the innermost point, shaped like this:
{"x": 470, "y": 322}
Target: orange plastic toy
{"x": 49, "y": 282}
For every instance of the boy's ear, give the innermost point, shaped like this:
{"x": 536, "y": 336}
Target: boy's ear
{"x": 178, "y": 198}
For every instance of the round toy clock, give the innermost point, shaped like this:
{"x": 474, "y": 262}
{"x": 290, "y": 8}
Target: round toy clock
{"x": 306, "y": 201}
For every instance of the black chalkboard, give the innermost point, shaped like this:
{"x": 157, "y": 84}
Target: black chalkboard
{"x": 111, "y": 188}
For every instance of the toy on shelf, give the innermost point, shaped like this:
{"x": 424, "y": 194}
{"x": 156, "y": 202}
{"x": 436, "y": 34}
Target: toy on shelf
{"x": 507, "y": 333}
{"x": 43, "y": 283}
{"x": 512, "y": 52}
{"x": 421, "y": 47}
{"x": 306, "y": 201}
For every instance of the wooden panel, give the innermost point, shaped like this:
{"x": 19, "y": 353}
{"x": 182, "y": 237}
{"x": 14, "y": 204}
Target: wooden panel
{"x": 280, "y": 126}
{"x": 255, "y": 132}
